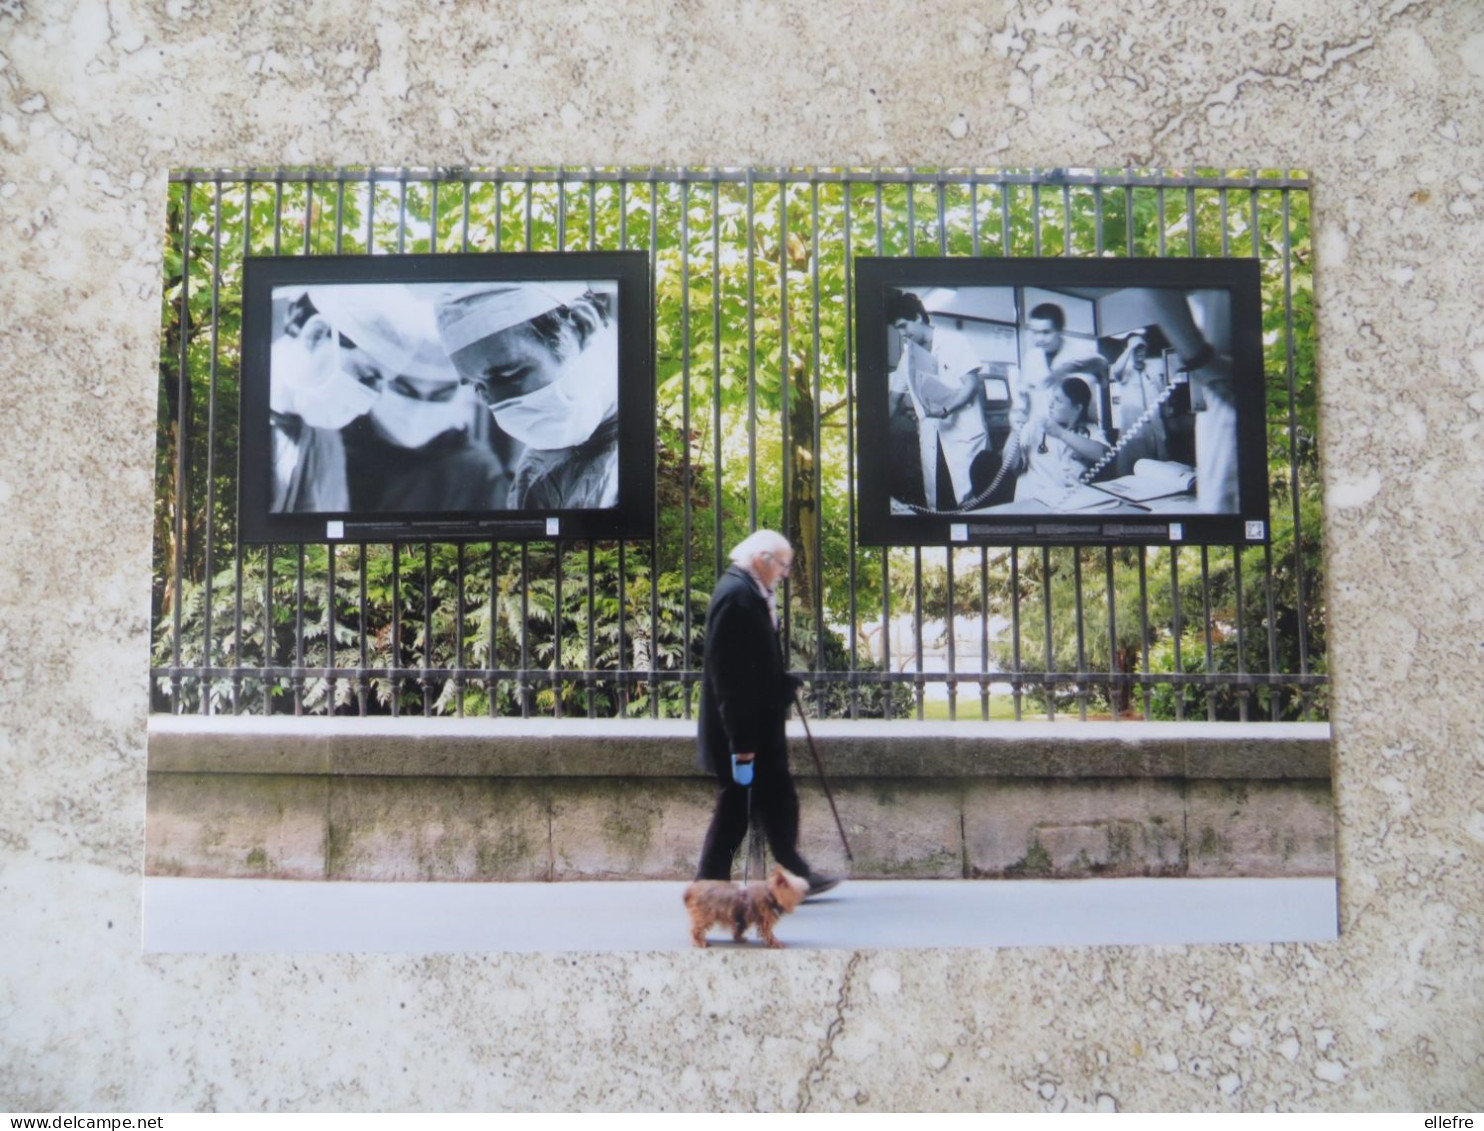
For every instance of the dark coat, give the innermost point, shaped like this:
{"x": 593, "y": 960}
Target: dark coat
{"x": 745, "y": 688}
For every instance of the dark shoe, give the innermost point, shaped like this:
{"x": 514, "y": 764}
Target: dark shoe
{"x": 820, "y": 883}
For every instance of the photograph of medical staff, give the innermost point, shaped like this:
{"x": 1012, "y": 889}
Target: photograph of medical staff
{"x": 389, "y": 398}
{"x": 1034, "y": 401}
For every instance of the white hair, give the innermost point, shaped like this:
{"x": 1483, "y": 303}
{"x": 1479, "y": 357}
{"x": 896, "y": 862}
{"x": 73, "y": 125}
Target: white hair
{"x": 758, "y": 544}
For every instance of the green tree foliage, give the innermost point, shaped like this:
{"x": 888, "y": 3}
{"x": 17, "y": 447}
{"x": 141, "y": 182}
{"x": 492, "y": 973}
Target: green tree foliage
{"x": 754, "y": 375}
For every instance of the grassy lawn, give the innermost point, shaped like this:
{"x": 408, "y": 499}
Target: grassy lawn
{"x": 1000, "y": 707}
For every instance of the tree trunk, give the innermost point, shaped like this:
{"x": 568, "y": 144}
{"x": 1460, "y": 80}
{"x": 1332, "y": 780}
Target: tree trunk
{"x": 803, "y": 519}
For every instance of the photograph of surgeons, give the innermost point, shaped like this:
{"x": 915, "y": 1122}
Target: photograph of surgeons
{"x": 1108, "y": 400}
{"x": 391, "y": 398}
{"x": 544, "y": 358}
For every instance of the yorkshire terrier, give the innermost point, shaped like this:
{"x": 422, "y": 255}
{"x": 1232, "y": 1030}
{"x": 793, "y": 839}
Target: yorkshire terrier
{"x": 721, "y": 903}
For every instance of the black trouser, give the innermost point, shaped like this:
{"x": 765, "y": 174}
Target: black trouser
{"x": 774, "y": 802}
{"x": 947, "y": 498}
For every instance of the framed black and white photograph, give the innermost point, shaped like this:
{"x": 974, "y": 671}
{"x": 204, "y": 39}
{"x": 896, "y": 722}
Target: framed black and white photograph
{"x": 1060, "y": 401}
{"x": 447, "y": 396}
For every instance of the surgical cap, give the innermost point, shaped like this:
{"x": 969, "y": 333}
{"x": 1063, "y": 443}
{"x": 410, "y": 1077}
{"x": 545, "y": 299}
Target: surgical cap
{"x": 470, "y": 312}
{"x": 393, "y": 326}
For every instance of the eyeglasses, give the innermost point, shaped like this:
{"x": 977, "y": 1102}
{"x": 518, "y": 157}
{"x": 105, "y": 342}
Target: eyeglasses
{"x": 784, "y": 568}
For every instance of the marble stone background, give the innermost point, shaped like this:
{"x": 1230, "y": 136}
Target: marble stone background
{"x": 1380, "y": 100}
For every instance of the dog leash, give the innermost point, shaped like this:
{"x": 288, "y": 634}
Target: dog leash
{"x": 751, "y": 840}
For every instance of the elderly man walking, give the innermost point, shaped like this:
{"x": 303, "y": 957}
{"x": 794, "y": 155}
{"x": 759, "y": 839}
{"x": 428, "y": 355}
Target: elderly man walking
{"x": 745, "y": 694}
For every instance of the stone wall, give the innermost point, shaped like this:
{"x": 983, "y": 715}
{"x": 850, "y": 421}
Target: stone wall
{"x": 417, "y": 799}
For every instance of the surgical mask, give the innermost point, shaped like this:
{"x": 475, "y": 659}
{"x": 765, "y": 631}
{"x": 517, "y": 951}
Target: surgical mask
{"x": 411, "y": 423}
{"x": 569, "y": 410}
{"x": 311, "y": 385}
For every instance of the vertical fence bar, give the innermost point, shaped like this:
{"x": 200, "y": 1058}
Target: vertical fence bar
{"x": 524, "y": 683}
{"x": 529, "y": 203}
{"x": 268, "y": 601}
{"x": 557, "y": 613}
{"x": 237, "y": 554}
{"x": 1066, "y": 219}
{"x": 1190, "y": 235}
{"x": 460, "y": 681}
{"x": 848, "y": 255}
{"x": 1144, "y": 630}
{"x": 751, "y": 357}
{"x": 1036, "y": 213}
{"x": 1115, "y": 686}
{"x": 269, "y": 652}
{"x": 464, "y": 216}
{"x": 1244, "y": 694}
{"x": 983, "y": 630}
{"x": 1047, "y": 683}
{"x": 402, "y": 211}
{"x": 425, "y": 681}
{"x": 1254, "y": 222}
{"x": 1159, "y": 197}
{"x": 624, "y": 669}
{"x": 590, "y": 680}
{"x": 1293, "y": 470}
{"x": 817, "y": 550}
{"x": 1210, "y": 654}
{"x": 498, "y": 218}
{"x": 1129, "y": 224}
{"x": 299, "y": 660}
{"x": 918, "y": 677}
{"x": 362, "y": 684}
{"x": 974, "y": 212}
{"x": 1244, "y": 691}
{"x": 949, "y": 618}
{"x": 919, "y": 668}
{"x": 1181, "y": 681}
{"x": 887, "y": 687}
{"x": 785, "y": 379}
{"x": 491, "y": 684}
{"x": 685, "y": 477}
{"x": 395, "y": 662}
{"x": 208, "y": 651}
{"x": 592, "y": 209}
{"x": 717, "y": 467}
{"x": 1017, "y": 686}
{"x": 654, "y": 542}
{"x": 1097, "y": 219}
{"x": 1081, "y": 634}
{"x": 330, "y": 656}
{"x": 182, "y": 440}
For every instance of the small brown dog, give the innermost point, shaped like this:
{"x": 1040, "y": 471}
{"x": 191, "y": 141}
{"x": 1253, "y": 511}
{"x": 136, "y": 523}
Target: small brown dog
{"x": 722, "y": 903}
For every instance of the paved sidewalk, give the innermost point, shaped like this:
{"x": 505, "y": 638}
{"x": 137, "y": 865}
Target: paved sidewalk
{"x": 258, "y": 916}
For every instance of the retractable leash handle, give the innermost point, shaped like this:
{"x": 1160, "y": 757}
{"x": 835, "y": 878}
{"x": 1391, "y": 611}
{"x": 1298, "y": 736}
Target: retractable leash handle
{"x": 741, "y": 771}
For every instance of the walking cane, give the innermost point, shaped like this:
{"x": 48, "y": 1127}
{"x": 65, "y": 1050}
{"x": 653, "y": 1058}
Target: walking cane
{"x": 819, "y": 765}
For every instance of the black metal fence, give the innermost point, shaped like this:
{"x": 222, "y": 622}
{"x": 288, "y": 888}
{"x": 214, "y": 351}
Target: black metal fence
{"x": 755, "y": 395}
